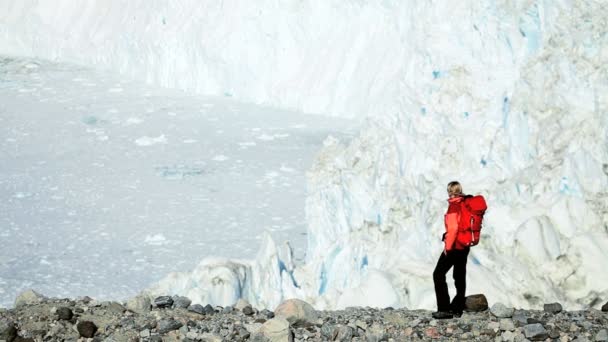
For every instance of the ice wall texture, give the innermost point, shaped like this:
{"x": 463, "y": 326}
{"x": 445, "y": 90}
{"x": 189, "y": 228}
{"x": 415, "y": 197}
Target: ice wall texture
{"x": 330, "y": 57}
{"x": 509, "y": 97}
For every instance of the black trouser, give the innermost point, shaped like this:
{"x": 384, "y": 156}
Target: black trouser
{"x": 458, "y": 259}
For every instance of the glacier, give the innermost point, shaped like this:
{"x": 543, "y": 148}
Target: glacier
{"x": 508, "y": 97}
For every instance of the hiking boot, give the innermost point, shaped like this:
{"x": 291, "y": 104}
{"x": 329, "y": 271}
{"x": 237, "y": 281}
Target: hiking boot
{"x": 456, "y": 313}
{"x": 442, "y": 315}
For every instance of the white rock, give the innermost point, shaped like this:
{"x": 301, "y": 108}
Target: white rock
{"x": 296, "y": 311}
{"x": 140, "y": 304}
{"x": 241, "y": 303}
{"x": 28, "y": 297}
{"x": 276, "y": 330}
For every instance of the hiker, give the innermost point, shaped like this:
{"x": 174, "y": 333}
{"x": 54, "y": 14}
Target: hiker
{"x": 454, "y": 254}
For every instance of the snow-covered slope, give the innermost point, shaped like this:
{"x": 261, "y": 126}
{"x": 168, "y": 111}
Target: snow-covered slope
{"x": 508, "y": 97}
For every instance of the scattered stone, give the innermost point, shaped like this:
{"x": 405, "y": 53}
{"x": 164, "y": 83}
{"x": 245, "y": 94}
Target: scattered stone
{"x": 65, "y": 314}
{"x": 145, "y": 333}
{"x": 113, "y": 307}
{"x": 28, "y": 297}
{"x": 535, "y": 332}
{"x": 86, "y": 329}
{"x": 163, "y": 302}
{"x": 248, "y": 310}
{"x": 208, "y": 310}
{"x": 140, "y": 304}
{"x": 520, "y": 317}
{"x": 476, "y": 303}
{"x": 199, "y": 309}
{"x": 168, "y": 324}
{"x": 553, "y": 308}
{"x": 269, "y": 314}
{"x": 329, "y": 331}
{"x": 345, "y": 333}
{"x": 432, "y": 332}
{"x": 181, "y": 302}
{"x": 501, "y": 311}
{"x": 507, "y": 325}
{"x": 602, "y": 335}
{"x": 296, "y": 311}
{"x": 494, "y": 326}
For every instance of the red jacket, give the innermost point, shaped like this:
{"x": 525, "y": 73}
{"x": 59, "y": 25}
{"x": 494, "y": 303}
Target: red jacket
{"x": 452, "y": 217}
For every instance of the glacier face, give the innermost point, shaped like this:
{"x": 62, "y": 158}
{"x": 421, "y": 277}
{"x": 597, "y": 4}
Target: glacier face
{"x": 329, "y": 57}
{"x": 508, "y": 97}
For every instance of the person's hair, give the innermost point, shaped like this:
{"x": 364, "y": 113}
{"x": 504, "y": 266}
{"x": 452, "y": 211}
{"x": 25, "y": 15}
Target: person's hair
{"x": 454, "y": 188}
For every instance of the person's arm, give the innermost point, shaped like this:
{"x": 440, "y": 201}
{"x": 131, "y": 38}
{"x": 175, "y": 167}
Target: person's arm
{"x": 451, "y": 227}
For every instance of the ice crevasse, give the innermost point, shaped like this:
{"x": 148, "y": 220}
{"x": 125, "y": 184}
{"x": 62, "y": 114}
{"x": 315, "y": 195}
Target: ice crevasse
{"x": 508, "y": 97}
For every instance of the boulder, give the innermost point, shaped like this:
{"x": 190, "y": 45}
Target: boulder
{"x": 535, "y": 332}
{"x": 163, "y": 302}
{"x": 86, "y": 329}
{"x": 181, "y": 302}
{"x": 477, "y": 302}
{"x": 553, "y": 308}
{"x": 501, "y": 311}
{"x": 296, "y": 312}
{"x": 65, "y": 314}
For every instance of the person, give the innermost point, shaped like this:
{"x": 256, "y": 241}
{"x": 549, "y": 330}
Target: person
{"x": 454, "y": 255}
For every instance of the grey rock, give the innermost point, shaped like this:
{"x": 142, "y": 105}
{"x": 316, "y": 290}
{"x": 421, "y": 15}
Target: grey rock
{"x": 248, "y": 310}
{"x": 199, "y": 309}
{"x": 163, "y": 302}
{"x": 208, "y": 310}
{"x": 476, "y": 303}
{"x": 168, "y": 324}
{"x": 520, "y": 317}
{"x": 535, "y": 332}
{"x": 329, "y": 331}
{"x": 240, "y": 304}
{"x": 345, "y": 333}
{"x": 181, "y": 302}
{"x": 227, "y": 309}
{"x": 65, "y": 313}
{"x": 553, "y": 308}
{"x": 269, "y": 314}
{"x": 376, "y": 333}
{"x": 501, "y": 311}
{"x": 8, "y": 331}
{"x": 28, "y": 297}
{"x": 86, "y": 329}
{"x": 602, "y": 335}
{"x": 144, "y": 333}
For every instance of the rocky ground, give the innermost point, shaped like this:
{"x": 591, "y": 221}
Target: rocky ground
{"x": 36, "y": 318}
